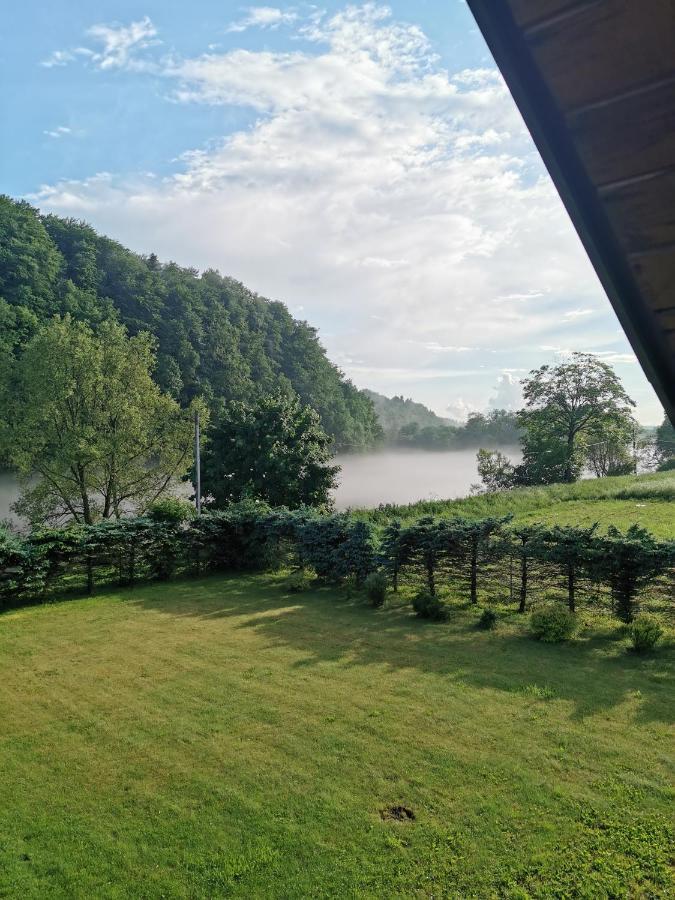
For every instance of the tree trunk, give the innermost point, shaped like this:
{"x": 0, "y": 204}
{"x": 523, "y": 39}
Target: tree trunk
{"x": 570, "y": 454}
{"x": 571, "y": 589}
{"x": 431, "y": 581}
{"x": 474, "y": 572}
{"x": 523, "y": 583}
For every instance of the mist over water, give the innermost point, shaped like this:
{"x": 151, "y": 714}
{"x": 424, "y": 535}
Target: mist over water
{"x": 405, "y": 476}
{"x": 366, "y": 479}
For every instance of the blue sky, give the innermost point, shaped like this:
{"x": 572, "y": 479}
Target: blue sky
{"x": 362, "y": 163}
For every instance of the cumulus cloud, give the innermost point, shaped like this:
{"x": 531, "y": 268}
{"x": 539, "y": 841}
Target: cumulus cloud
{"x": 374, "y": 186}
{"x": 507, "y": 394}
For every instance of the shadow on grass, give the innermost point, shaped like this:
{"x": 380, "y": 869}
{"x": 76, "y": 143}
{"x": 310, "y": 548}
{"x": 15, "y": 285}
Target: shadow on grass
{"x": 326, "y": 626}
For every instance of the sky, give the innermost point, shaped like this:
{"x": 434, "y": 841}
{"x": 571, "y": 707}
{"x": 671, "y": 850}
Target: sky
{"x": 363, "y": 163}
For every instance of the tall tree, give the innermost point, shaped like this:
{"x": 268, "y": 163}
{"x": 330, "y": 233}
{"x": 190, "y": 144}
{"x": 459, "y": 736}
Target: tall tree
{"x": 273, "y": 450}
{"x": 84, "y": 415}
{"x": 564, "y": 404}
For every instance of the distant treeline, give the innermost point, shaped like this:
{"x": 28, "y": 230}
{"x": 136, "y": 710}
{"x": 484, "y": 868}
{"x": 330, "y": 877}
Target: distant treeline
{"x": 406, "y": 423}
{"x": 498, "y": 428}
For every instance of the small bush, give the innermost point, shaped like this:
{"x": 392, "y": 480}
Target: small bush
{"x": 297, "y": 583}
{"x": 552, "y": 624}
{"x": 428, "y": 606}
{"x": 644, "y": 632}
{"x": 488, "y": 620}
{"x": 171, "y": 509}
{"x": 376, "y": 588}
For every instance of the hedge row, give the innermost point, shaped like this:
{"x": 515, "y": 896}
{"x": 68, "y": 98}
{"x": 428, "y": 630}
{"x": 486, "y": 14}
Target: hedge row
{"x": 488, "y": 558}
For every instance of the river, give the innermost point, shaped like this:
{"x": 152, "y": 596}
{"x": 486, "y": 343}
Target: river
{"x": 405, "y": 476}
{"x": 368, "y": 479}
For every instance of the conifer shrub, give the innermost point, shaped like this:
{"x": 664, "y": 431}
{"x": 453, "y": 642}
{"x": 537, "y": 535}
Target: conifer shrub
{"x": 376, "y": 588}
{"x": 297, "y": 582}
{"x": 644, "y": 632}
{"x": 487, "y": 620}
{"x": 429, "y": 606}
{"x": 552, "y": 624}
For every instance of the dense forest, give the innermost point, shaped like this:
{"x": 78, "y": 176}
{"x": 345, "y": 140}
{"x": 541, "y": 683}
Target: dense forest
{"x": 396, "y": 412}
{"x": 214, "y": 338}
{"x": 406, "y": 423}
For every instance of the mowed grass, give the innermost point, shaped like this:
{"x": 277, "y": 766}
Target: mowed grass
{"x": 646, "y": 500}
{"x": 221, "y": 737}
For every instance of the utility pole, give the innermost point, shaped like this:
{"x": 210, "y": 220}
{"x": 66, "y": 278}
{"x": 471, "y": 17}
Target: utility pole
{"x": 198, "y": 467}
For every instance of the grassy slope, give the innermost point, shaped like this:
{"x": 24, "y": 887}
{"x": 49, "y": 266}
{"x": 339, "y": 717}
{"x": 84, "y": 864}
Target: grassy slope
{"x": 222, "y": 738}
{"x": 648, "y": 500}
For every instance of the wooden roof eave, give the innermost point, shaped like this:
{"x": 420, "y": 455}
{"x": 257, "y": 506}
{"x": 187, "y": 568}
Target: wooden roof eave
{"x": 559, "y": 151}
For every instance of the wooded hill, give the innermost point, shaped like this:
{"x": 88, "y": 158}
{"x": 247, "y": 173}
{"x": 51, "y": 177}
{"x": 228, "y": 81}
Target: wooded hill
{"x": 215, "y": 338}
{"x": 396, "y": 412}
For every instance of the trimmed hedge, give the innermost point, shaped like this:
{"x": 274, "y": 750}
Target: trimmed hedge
{"x": 486, "y": 559}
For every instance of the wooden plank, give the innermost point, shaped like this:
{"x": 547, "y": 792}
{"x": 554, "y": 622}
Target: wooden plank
{"x": 655, "y": 275}
{"x": 643, "y": 213}
{"x": 532, "y": 12}
{"x": 606, "y": 50}
{"x": 628, "y": 138}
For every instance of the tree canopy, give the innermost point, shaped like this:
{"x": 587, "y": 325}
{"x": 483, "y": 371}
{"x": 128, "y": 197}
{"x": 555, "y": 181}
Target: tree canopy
{"x": 83, "y": 414}
{"x": 273, "y": 450}
{"x": 568, "y": 406}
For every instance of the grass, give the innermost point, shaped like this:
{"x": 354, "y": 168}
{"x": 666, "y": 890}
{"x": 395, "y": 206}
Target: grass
{"x": 222, "y": 737}
{"x": 647, "y": 500}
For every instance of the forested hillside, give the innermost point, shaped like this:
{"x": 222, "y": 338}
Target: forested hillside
{"x": 215, "y": 338}
{"x": 396, "y": 412}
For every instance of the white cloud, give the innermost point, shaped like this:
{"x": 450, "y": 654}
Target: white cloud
{"x": 578, "y": 313}
{"x": 116, "y": 46}
{"x": 58, "y": 58}
{"x": 58, "y": 132}
{"x": 507, "y": 394}
{"x": 263, "y": 17}
{"x": 374, "y": 186}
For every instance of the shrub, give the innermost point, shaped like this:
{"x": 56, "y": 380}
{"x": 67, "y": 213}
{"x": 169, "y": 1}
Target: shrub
{"x": 428, "y": 606}
{"x": 552, "y": 624}
{"x": 376, "y": 588}
{"x": 171, "y": 509}
{"x": 297, "y": 583}
{"x": 488, "y": 620}
{"x": 644, "y": 632}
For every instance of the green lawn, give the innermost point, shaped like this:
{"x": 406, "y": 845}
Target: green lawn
{"x": 220, "y": 737}
{"x": 646, "y": 500}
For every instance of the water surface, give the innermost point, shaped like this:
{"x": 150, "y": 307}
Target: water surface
{"x": 405, "y": 476}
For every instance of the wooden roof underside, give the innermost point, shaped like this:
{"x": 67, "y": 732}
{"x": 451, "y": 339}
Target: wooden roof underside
{"x": 595, "y": 83}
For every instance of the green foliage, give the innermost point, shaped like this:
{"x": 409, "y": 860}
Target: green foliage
{"x": 409, "y": 424}
{"x": 82, "y": 413}
{"x": 665, "y": 444}
{"x": 496, "y": 471}
{"x": 572, "y": 552}
{"x": 567, "y": 406}
{"x": 488, "y": 620}
{"x": 215, "y": 339}
{"x": 171, "y": 509}
{"x": 552, "y": 624}
{"x": 429, "y": 606}
{"x": 628, "y": 563}
{"x": 297, "y": 582}
{"x": 274, "y": 450}
{"x": 336, "y": 547}
{"x": 375, "y": 586}
{"x": 645, "y": 631}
